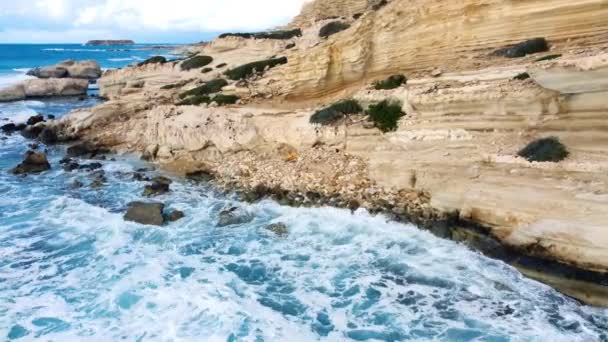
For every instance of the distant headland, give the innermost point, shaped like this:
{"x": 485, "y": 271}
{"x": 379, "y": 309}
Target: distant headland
{"x": 110, "y": 42}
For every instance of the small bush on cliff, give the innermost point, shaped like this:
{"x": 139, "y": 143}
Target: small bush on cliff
{"x": 248, "y": 70}
{"x": 391, "y": 83}
{"x": 222, "y": 99}
{"x": 279, "y": 34}
{"x": 335, "y": 112}
{"x": 206, "y": 70}
{"x": 385, "y": 115}
{"x": 332, "y": 28}
{"x": 545, "y": 150}
{"x": 210, "y": 87}
{"x": 524, "y": 48}
{"x": 548, "y": 57}
{"x": 379, "y": 5}
{"x": 194, "y": 100}
{"x": 522, "y": 76}
{"x": 196, "y": 62}
{"x": 154, "y": 60}
{"x": 221, "y": 65}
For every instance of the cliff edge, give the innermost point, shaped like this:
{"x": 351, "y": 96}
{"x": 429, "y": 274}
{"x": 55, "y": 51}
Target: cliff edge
{"x": 442, "y": 146}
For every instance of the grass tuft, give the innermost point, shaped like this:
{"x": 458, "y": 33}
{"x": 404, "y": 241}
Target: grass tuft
{"x": 385, "y": 115}
{"x": 196, "y": 62}
{"x": 332, "y": 28}
{"x": 250, "y": 69}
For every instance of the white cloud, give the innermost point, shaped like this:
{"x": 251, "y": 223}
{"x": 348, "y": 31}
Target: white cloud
{"x": 124, "y": 18}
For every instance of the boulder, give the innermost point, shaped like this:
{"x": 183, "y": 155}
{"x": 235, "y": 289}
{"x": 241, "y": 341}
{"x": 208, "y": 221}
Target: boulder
{"x": 48, "y": 136}
{"x": 89, "y": 70}
{"x": 175, "y": 215}
{"x": 156, "y": 189}
{"x": 55, "y": 87}
{"x": 32, "y": 132}
{"x": 9, "y": 128}
{"x": 234, "y": 215}
{"x": 35, "y": 119}
{"x": 145, "y": 213}
{"x": 200, "y": 176}
{"x": 85, "y": 150}
{"x": 34, "y": 162}
{"x": 49, "y": 72}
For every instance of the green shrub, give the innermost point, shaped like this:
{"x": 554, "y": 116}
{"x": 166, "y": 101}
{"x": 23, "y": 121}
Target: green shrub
{"x": 154, "y": 60}
{"x": 545, "y": 150}
{"x": 290, "y": 46}
{"x": 522, "y": 76}
{"x": 385, "y": 115}
{"x": 248, "y": 70}
{"x": 196, "y": 62}
{"x": 391, "y": 83}
{"x": 210, "y": 87}
{"x": 548, "y": 57}
{"x": 206, "y": 70}
{"x": 194, "y": 100}
{"x": 222, "y": 99}
{"x": 335, "y": 112}
{"x": 332, "y": 28}
{"x": 379, "y": 5}
{"x": 221, "y": 65}
{"x": 280, "y": 34}
{"x": 522, "y": 49}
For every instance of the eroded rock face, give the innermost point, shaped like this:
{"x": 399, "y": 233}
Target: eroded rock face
{"x": 145, "y": 213}
{"x": 44, "y": 88}
{"x": 34, "y": 162}
{"x": 73, "y": 69}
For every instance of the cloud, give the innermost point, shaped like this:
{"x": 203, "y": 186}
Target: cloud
{"x": 123, "y": 18}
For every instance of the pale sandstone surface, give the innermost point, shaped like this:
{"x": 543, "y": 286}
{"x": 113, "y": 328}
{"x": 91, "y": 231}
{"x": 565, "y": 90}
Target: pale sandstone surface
{"x": 33, "y": 88}
{"x": 454, "y": 151}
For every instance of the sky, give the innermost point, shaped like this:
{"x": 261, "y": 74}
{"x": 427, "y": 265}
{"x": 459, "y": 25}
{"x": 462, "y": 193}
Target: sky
{"x": 144, "y": 21}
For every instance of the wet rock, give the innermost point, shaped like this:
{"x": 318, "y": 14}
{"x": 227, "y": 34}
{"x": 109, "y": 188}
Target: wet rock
{"x": 76, "y": 184}
{"x": 85, "y": 150}
{"x": 234, "y": 215}
{"x": 162, "y": 180}
{"x": 32, "y": 132}
{"x": 97, "y": 183}
{"x": 90, "y": 167}
{"x": 50, "y": 117}
{"x": 34, "y": 162}
{"x": 140, "y": 177}
{"x": 200, "y": 176}
{"x": 156, "y": 189}
{"x": 48, "y": 136}
{"x": 99, "y": 175}
{"x": 175, "y": 215}
{"x": 280, "y": 229}
{"x": 32, "y": 120}
{"x": 70, "y": 166}
{"x": 145, "y": 213}
{"x": 9, "y": 128}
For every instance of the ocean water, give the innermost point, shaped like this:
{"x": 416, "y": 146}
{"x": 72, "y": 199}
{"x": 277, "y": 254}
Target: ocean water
{"x": 71, "y": 269}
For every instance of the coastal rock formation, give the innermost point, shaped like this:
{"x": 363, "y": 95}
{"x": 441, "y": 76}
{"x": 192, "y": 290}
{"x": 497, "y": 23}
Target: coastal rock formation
{"x": 34, "y": 162}
{"x": 449, "y": 161}
{"x": 145, "y": 213}
{"x": 70, "y": 68}
{"x": 44, "y": 88}
{"x": 110, "y": 42}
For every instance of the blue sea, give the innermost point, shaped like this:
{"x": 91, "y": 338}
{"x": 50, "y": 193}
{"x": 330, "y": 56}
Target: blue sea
{"x": 71, "y": 269}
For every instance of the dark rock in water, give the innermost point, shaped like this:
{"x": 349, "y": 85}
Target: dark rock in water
{"x": 65, "y": 160}
{"x": 9, "y": 128}
{"x": 71, "y": 166}
{"x": 200, "y": 176}
{"x": 48, "y": 136}
{"x": 33, "y": 146}
{"x": 162, "y": 180}
{"x": 280, "y": 229}
{"x": 524, "y": 48}
{"x": 145, "y": 213}
{"x": 50, "y": 117}
{"x": 32, "y": 132}
{"x": 34, "y": 162}
{"x": 85, "y": 150}
{"x": 91, "y": 166}
{"x": 155, "y": 189}
{"x": 97, "y": 183}
{"x": 140, "y": 177}
{"x": 99, "y": 175}
{"x": 353, "y": 205}
{"x": 35, "y": 119}
{"x": 233, "y": 216}
{"x": 175, "y": 215}
{"x": 76, "y": 184}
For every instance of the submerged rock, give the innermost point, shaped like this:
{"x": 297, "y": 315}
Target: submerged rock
{"x": 280, "y": 229}
{"x": 32, "y": 120}
{"x": 34, "y": 162}
{"x": 200, "y": 176}
{"x": 156, "y": 189}
{"x": 145, "y": 213}
{"x": 176, "y": 215}
{"x": 85, "y": 150}
{"x": 233, "y": 216}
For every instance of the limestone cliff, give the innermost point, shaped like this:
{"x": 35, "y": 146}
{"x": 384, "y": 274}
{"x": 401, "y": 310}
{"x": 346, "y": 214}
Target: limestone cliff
{"x": 453, "y": 153}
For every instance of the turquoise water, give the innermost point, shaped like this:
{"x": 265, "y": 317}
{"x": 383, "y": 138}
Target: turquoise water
{"x": 72, "y": 270}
